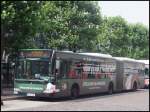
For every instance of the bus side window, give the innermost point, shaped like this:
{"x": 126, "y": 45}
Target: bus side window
{"x": 146, "y": 71}
{"x": 63, "y": 70}
{"x": 91, "y": 74}
{"x": 79, "y": 69}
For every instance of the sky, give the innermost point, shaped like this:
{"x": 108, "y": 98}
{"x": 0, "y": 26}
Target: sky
{"x": 131, "y": 11}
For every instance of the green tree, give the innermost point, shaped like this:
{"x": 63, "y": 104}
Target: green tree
{"x": 119, "y": 38}
{"x": 139, "y": 41}
{"x": 112, "y": 38}
{"x": 18, "y": 24}
{"x": 70, "y": 24}
{"x": 86, "y": 21}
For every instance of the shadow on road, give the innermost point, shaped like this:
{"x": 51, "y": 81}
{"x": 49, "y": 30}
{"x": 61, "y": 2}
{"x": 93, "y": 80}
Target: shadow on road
{"x": 82, "y": 97}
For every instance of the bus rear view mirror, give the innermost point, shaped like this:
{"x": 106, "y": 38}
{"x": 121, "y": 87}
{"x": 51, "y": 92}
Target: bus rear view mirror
{"x": 57, "y": 64}
{"x": 13, "y": 64}
{"x": 57, "y": 69}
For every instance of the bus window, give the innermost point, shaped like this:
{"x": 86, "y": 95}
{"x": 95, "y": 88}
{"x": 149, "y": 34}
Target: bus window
{"x": 141, "y": 72}
{"x": 62, "y": 68}
{"x": 146, "y": 71}
{"x": 75, "y": 69}
{"x": 72, "y": 73}
{"x": 91, "y": 72}
{"x": 78, "y": 69}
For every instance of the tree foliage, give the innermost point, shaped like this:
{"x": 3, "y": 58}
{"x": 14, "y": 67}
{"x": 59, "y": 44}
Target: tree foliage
{"x": 18, "y": 23}
{"x": 119, "y": 38}
{"x": 50, "y": 24}
{"x": 70, "y": 25}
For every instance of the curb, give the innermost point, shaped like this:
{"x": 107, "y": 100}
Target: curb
{"x": 11, "y": 98}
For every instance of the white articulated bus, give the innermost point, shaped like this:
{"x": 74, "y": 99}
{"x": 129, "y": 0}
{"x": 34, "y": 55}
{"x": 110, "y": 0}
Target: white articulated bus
{"x": 146, "y": 82}
{"x": 50, "y": 73}
{"x": 130, "y": 73}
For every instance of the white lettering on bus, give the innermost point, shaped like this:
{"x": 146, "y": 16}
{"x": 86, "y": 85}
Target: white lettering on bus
{"x": 94, "y": 69}
{"x": 102, "y": 83}
{"x": 31, "y": 88}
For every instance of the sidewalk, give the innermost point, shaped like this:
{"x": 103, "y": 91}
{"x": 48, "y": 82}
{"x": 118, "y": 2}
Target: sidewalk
{"x": 7, "y": 94}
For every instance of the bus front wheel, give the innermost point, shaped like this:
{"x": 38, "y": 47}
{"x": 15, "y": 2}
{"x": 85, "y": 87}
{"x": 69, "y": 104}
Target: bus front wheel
{"x": 74, "y": 92}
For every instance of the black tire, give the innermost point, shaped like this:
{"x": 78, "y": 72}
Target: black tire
{"x": 146, "y": 87}
{"x": 134, "y": 86}
{"x": 74, "y": 92}
{"x": 110, "y": 88}
{"x": 2, "y": 102}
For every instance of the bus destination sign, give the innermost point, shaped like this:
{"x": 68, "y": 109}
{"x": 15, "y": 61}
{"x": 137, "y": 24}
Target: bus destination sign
{"x": 31, "y": 54}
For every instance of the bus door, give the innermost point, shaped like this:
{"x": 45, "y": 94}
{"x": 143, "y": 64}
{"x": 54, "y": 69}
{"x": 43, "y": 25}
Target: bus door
{"x": 141, "y": 76}
{"x": 119, "y": 76}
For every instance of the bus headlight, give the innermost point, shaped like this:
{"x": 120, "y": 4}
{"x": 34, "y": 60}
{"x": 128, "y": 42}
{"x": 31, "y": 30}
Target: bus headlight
{"x": 16, "y": 90}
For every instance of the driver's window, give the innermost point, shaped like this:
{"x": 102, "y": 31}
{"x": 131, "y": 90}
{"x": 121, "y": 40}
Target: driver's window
{"x": 62, "y": 67}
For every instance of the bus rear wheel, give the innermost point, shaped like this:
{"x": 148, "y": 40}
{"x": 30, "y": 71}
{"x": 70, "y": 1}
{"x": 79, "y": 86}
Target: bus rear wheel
{"x": 134, "y": 86}
{"x": 110, "y": 88}
{"x": 74, "y": 92}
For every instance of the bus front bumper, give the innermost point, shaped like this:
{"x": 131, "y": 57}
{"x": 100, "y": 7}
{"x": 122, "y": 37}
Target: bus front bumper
{"x": 49, "y": 95}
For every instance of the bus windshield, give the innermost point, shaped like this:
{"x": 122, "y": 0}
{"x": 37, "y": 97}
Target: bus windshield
{"x": 32, "y": 69}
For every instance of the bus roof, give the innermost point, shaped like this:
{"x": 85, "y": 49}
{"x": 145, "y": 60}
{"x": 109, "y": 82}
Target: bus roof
{"x": 97, "y": 54}
{"x": 144, "y": 61}
{"x": 34, "y": 49}
{"x": 125, "y": 59}
{"x": 128, "y": 59}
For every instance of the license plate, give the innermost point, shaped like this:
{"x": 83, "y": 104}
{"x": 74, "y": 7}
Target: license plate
{"x": 30, "y": 94}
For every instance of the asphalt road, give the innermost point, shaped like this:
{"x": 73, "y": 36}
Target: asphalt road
{"x": 124, "y": 101}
